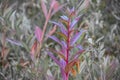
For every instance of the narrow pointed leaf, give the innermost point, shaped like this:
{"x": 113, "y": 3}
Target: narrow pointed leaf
{"x": 76, "y": 37}
{"x": 59, "y": 8}
{"x": 64, "y": 18}
{"x": 72, "y": 12}
{"x": 55, "y": 59}
{"x": 73, "y": 71}
{"x": 64, "y": 45}
{"x": 58, "y": 53}
{"x": 70, "y": 65}
{"x": 33, "y": 50}
{"x": 15, "y": 42}
{"x": 56, "y": 6}
{"x": 61, "y": 26}
{"x": 79, "y": 47}
{"x": 76, "y": 56}
{"x": 44, "y": 8}
{"x": 51, "y": 32}
{"x": 63, "y": 63}
{"x": 38, "y": 33}
{"x": 78, "y": 66}
{"x": 81, "y": 38}
{"x": 55, "y": 39}
{"x": 52, "y": 3}
{"x": 62, "y": 35}
{"x": 74, "y": 22}
{"x": 63, "y": 74}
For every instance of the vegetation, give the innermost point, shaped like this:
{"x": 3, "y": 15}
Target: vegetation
{"x": 59, "y": 40}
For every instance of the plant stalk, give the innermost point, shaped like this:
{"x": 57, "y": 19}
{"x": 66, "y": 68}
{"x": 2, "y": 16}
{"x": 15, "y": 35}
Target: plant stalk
{"x": 68, "y": 48}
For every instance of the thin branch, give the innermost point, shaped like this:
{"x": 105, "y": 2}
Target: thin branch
{"x": 3, "y": 75}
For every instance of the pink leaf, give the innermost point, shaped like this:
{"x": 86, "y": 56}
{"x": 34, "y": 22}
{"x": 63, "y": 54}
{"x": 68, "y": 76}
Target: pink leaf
{"x": 52, "y": 31}
{"x": 44, "y": 9}
{"x": 56, "y": 6}
{"x": 52, "y": 3}
{"x": 59, "y": 8}
{"x": 38, "y": 33}
{"x": 33, "y": 49}
{"x": 63, "y": 74}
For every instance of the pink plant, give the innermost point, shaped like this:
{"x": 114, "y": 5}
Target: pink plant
{"x": 68, "y": 41}
{"x": 40, "y": 33}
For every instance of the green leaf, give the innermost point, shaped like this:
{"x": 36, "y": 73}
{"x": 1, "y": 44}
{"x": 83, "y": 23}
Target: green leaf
{"x": 62, "y": 35}
{"x": 81, "y": 38}
{"x": 25, "y": 46}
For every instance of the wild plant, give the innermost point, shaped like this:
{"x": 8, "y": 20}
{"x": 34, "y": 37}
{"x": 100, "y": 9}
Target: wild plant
{"x": 68, "y": 37}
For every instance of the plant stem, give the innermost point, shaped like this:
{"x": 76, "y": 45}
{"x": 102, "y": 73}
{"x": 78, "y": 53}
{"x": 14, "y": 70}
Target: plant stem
{"x": 67, "y": 76}
{"x": 68, "y": 45}
{"x": 68, "y": 42}
{"x": 44, "y": 29}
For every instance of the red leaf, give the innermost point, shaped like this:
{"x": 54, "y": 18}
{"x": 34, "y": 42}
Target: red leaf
{"x": 70, "y": 65}
{"x": 33, "y": 49}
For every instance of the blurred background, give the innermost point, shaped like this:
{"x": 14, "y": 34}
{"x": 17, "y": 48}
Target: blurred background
{"x": 18, "y": 18}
